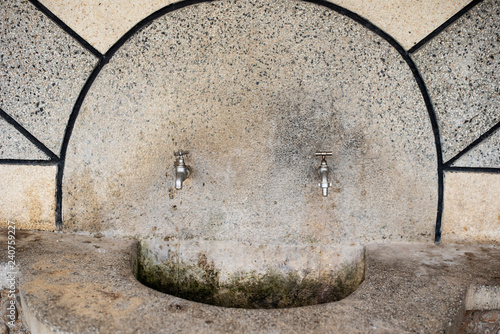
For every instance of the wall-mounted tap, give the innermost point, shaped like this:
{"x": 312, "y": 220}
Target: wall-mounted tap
{"x": 182, "y": 171}
{"x": 323, "y": 171}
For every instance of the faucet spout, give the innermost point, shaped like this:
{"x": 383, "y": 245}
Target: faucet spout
{"x": 181, "y": 170}
{"x": 323, "y": 171}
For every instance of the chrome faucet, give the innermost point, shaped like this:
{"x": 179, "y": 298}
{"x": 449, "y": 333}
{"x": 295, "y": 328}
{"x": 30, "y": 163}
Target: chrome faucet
{"x": 181, "y": 170}
{"x": 323, "y": 171}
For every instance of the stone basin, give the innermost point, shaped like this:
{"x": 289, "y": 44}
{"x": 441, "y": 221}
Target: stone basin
{"x": 233, "y": 274}
{"x": 73, "y": 283}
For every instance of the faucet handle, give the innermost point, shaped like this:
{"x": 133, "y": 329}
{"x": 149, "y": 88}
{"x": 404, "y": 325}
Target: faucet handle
{"x": 180, "y": 153}
{"x": 323, "y": 154}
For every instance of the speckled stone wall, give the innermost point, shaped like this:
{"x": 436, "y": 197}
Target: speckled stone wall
{"x": 253, "y": 89}
{"x": 102, "y": 23}
{"x": 43, "y": 70}
{"x": 253, "y": 97}
{"x": 304, "y": 84}
{"x": 460, "y": 68}
{"x": 486, "y": 154}
{"x": 14, "y": 145}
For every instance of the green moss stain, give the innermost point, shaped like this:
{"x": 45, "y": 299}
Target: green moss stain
{"x": 201, "y": 283}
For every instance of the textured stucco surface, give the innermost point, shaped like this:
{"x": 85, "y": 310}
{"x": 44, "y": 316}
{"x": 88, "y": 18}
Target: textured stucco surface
{"x": 28, "y": 196}
{"x": 461, "y": 70}
{"x": 255, "y": 89}
{"x": 13, "y": 145}
{"x": 102, "y": 23}
{"x": 472, "y": 208}
{"x": 42, "y": 71}
{"x": 486, "y": 154}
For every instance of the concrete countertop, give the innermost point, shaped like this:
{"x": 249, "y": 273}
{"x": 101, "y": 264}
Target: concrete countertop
{"x": 83, "y": 284}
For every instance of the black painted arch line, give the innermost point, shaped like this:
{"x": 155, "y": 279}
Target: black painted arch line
{"x": 173, "y": 7}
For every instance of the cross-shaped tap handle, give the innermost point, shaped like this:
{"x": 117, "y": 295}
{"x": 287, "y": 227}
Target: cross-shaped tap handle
{"x": 180, "y": 153}
{"x": 323, "y": 154}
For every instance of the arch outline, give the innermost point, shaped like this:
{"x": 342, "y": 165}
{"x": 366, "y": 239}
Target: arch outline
{"x": 186, "y": 3}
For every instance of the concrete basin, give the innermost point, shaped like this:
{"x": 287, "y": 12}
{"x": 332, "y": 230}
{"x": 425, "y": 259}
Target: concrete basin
{"x": 85, "y": 284}
{"x": 243, "y": 275}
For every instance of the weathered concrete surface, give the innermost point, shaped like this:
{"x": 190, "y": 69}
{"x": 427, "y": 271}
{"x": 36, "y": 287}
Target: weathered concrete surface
{"x": 472, "y": 208}
{"x": 242, "y": 275}
{"x": 28, "y": 196}
{"x": 11, "y": 317}
{"x": 481, "y": 322}
{"x": 483, "y": 297}
{"x": 82, "y": 284}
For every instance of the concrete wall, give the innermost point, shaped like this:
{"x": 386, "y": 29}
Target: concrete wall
{"x": 252, "y": 89}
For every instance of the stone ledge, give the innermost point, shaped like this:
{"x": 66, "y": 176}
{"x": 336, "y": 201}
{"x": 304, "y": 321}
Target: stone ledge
{"x": 483, "y": 297}
{"x": 81, "y": 284}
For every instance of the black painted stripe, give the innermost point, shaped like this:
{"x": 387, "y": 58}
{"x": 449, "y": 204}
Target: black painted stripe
{"x": 28, "y": 136}
{"x": 27, "y": 162}
{"x": 67, "y": 136}
{"x": 445, "y": 25}
{"x": 487, "y": 170}
{"x": 475, "y": 143}
{"x": 66, "y": 28}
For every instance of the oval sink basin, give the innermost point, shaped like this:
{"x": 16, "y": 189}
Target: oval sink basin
{"x": 245, "y": 276}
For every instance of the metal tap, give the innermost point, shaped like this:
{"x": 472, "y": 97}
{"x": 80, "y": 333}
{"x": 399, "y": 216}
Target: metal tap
{"x": 182, "y": 171}
{"x": 323, "y": 171}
